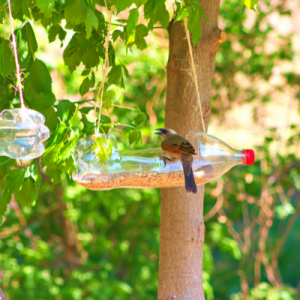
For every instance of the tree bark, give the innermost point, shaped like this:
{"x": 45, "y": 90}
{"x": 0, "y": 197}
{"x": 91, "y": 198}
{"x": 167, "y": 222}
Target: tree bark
{"x": 182, "y": 228}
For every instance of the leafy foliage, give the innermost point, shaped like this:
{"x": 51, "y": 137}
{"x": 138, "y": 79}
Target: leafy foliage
{"x": 81, "y": 244}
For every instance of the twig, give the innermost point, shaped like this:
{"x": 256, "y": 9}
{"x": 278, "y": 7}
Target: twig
{"x": 193, "y": 70}
{"x": 16, "y": 56}
{"x": 234, "y": 234}
{"x": 218, "y": 204}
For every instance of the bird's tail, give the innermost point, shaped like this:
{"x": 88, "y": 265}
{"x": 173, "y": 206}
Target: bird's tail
{"x": 190, "y": 184}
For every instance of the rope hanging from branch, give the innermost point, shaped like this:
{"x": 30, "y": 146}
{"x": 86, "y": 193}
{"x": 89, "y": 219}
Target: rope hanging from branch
{"x": 105, "y": 71}
{"x": 193, "y": 70}
{"x": 14, "y": 44}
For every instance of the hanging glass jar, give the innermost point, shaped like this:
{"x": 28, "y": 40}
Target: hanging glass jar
{"x": 22, "y": 132}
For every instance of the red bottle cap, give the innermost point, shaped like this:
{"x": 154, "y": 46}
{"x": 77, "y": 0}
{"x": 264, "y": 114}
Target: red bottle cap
{"x": 249, "y": 157}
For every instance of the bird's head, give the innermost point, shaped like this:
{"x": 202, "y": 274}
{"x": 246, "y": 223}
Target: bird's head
{"x": 165, "y": 132}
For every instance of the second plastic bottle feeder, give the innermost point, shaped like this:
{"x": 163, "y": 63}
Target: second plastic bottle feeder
{"x": 145, "y": 169}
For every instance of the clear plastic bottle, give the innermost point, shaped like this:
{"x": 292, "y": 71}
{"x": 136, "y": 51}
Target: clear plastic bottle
{"x": 145, "y": 169}
{"x": 22, "y": 132}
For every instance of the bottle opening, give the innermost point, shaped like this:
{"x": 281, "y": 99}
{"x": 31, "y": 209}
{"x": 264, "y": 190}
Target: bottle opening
{"x": 249, "y": 157}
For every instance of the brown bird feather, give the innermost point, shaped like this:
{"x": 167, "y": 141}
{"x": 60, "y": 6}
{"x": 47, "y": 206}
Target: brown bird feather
{"x": 178, "y": 144}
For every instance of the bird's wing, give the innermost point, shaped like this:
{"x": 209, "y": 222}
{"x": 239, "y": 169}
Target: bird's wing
{"x": 178, "y": 144}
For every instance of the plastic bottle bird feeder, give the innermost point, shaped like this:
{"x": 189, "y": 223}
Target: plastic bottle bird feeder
{"x": 145, "y": 169}
{"x": 22, "y": 132}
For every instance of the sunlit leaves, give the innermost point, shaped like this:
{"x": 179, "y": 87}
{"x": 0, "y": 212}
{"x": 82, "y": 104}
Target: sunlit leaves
{"x": 192, "y": 13}
{"x": 65, "y": 109}
{"x": 51, "y": 117}
{"x": 183, "y": 13}
{"x": 103, "y": 148}
{"x": 251, "y": 4}
{"x": 284, "y": 210}
{"x": 115, "y": 94}
{"x": 28, "y": 193}
{"x": 46, "y": 7}
{"x": 131, "y": 24}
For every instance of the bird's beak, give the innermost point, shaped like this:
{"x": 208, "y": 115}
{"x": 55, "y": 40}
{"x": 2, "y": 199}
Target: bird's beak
{"x": 159, "y": 131}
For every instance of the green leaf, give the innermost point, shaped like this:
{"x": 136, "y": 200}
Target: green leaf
{"x": 162, "y": 15}
{"x": 139, "y": 3}
{"x": 37, "y": 101}
{"x": 51, "y": 118}
{"x": 58, "y": 135}
{"x": 113, "y": 93}
{"x": 131, "y": 24}
{"x": 54, "y": 31}
{"x": 194, "y": 26}
{"x": 91, "y": 58}
{"x": 75, "y": 51}
{"x": 103, "y": 148}
{"x": 139, "y": 120}
{"x": 183, "y": 13}
{"x": 76, "y": 11}
{"x": 117, "y": 33}
{"x": 91, "y": 22}
{"x": 65, "y": 109}
{"x": 46, "y": 7}
{"x": 140, "y": 32}
{"x": 68, "y": 149}
{"x": 202, "y": 13}
{"x": 115, "y": 74}
{"x": 76, "y": 121}
{"x": 13, "y": 181}
{"x": 29, "y": 193}
{"x": 51, "y": 154}
{"x": 122, "y": 4}
{"x": 92, "y": 80}
{"x": 6, "y": 58}
{"x": 126, "y": 73}
{"x": 134, "y": 136}
{"x": 85, "y": 86}
{"x": 40, "y": 77}
{"x": 4, "y": 166}
{"x": 28, "y": 32}
{"x": 54, "y": 174}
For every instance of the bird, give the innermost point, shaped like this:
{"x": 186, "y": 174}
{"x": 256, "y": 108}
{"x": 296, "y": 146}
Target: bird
{"x": 178, "y": 148}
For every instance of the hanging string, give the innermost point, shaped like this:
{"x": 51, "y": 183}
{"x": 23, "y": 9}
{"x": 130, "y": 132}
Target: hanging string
{"x": 16, "y": 56}
{"x": 193, "y": 70}
{"x": 105, "y": 71}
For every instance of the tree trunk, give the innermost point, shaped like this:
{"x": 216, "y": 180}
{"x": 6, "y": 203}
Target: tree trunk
{"x": 182, "y": 228}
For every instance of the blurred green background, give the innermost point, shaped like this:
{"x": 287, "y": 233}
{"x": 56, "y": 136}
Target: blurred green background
{"x": 81, "y": 244}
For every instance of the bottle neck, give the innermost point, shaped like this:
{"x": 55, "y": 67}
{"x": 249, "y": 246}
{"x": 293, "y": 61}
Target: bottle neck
{"x": 239, "y": 157}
